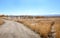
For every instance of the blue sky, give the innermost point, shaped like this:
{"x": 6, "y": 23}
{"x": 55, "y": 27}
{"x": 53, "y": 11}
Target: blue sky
{"x": 29, "y": 7}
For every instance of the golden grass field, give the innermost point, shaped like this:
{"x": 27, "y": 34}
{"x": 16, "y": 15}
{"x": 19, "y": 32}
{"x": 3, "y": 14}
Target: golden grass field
{"x": 41, "y": 26}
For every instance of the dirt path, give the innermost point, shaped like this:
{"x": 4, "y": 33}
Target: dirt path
{"x": 16, "y": 30}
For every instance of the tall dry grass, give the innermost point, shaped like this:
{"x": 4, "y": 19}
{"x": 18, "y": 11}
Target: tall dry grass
{"x": 44, "y": 28}
{"x": 57, "y": 28}
{"x": 41, "y": 27}
{"x": 1, "y": 21}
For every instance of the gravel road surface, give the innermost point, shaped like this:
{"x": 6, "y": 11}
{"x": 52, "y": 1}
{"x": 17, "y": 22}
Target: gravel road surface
{"x": 11, "y": 29}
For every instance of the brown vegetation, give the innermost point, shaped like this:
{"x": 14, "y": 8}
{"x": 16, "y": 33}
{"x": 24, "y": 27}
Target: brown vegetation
{"x": 40, "y": 25}
{"x": 57, "y": 28}
{"x": 44, "y": 28}
{"x": 1, "y": 21}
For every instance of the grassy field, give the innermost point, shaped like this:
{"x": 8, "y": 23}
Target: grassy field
{"x": 40, "y": 25}
{"x": 43, "y": 26}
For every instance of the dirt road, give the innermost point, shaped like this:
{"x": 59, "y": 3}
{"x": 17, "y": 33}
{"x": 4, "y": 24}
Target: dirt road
{"x": 16, "y": 30}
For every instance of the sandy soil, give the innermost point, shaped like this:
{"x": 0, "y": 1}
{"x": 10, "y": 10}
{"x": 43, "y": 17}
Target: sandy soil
{"x": 12, "y": 29}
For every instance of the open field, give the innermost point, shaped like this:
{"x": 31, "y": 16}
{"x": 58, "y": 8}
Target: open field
{"x": 44, "y": 26}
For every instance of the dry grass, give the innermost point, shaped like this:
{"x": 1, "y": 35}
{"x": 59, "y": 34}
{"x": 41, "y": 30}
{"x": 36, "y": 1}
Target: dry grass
{"x": 57, "y": 28}
{"x": 1, "y": 21}
{"x": 42, "y": 27}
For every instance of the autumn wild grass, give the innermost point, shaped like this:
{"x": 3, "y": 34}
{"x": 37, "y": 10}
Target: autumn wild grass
{"x": 1, "y": 21}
